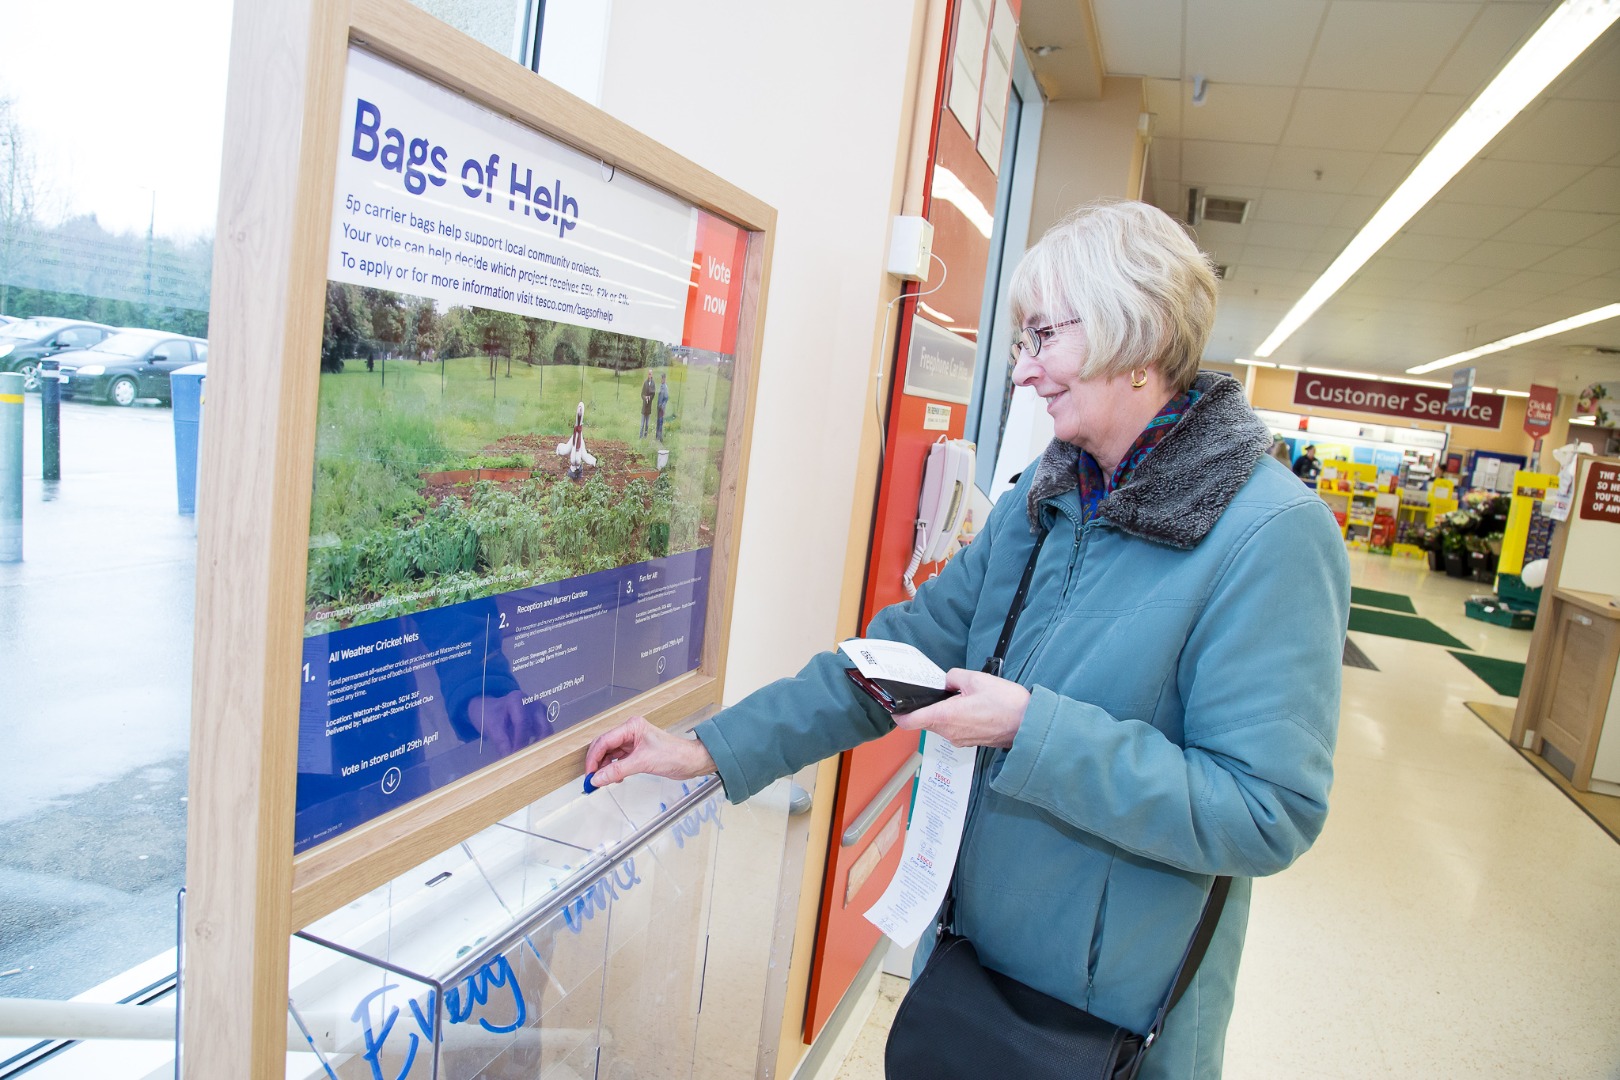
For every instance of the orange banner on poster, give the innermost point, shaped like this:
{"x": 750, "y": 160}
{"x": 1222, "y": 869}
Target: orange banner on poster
{"x": 715, "y": 298}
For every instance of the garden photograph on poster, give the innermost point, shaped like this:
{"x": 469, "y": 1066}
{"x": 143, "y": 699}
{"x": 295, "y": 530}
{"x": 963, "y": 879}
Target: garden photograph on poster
{"x": 465, "y": 452}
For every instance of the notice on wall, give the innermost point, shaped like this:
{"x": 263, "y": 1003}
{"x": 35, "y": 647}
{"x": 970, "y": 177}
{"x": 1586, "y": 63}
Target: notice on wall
{"x": 939, "y": 364}
{"x": 525, "y": 383}
{"x": 1600, "y": 499}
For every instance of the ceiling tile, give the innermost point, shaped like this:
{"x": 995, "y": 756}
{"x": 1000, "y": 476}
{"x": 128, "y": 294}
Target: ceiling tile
{"x": 1555, "y": 227}
{"x": 1510, "y": 183}
{"x": 1233, "y": 112}
{"x": 1275, "y": 258}
{"x": 1510, "y": 256}
{"x": 1596, "y": 75}
{"x": 1164, "y": 102}
{"x": 1378, "y": 45}
{"x": 1167, "y": 196}
{"x": 1140, "y": 37}
{"x": 1297, "y": 168}
{"x": 1222, "y": 44}
{"x": 1216, "y": 164}
{"x": 1385, "y": 174}
{"x": 1346, "y": 119}
{"x": 1293, "y": 237}
{"x": 1475, "y": 275}
{"x": 1533, "y": 285}
{"x": 1602, "y": 290}
{"x": 1463, "y": 219}
{"x": 1356, "y": 210}
{"x": 1569, "y": 132}
{"x": 1333, "y": 239}
{"x": 1296, "y": 207}
{"x": 1608, "y": 239}
{"x": 1585, "y": 261}
{"x": 1317, "y": 261}
{"x": 1251, "y": 274}
{"x": 1495, "y": 35}
{"x": 1386, "y": 268}
{"x": 1409, "y": 245}
{"x": 1428, "y": 118}
{"x": 1598, "y": 191}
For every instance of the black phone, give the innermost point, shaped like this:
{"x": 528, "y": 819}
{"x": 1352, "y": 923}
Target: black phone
{"x": 898, "y": 697}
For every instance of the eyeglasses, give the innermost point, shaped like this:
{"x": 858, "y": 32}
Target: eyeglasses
{"x": 1028, "y": 340}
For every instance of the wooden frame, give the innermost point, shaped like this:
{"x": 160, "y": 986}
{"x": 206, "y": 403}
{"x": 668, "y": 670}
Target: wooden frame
{"x": 246, "y": 891}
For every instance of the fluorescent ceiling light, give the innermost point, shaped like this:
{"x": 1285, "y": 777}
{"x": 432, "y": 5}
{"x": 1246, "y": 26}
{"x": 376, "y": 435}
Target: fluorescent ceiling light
{"x": 1514, "y": 393}
{"x": 1590, "y": 421}
{"x": 1573, "y": 26}
{"x": 1414, "y": 382}
{"x": 1254, "y": 363}
{"x": 1341, "y": 374}
{"x": 1585, "y": 318}
{"x": 937, "y": 316}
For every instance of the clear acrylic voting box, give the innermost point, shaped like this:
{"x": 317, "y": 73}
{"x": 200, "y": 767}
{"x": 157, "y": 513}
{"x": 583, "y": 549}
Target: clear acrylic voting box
{"x": 566, "y": 941}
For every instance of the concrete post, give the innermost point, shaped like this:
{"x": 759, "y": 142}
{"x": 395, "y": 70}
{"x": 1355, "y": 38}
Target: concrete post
{"x": 11, "y": 454}
{"x": 50, "y": 419}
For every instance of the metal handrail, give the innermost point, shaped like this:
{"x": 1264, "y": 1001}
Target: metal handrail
{"x": 868, "y": 817}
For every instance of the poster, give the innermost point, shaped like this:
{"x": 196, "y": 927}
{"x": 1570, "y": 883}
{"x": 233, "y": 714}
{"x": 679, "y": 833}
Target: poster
{"x": 525, "y": 381}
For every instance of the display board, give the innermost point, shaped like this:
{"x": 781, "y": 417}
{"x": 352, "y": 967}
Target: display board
{"x": 484, "y": 369}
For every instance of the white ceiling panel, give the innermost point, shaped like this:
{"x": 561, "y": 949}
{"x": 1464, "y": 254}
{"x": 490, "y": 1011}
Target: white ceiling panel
{"x": 1463, "y": 220}
{"x": 1425, "y": 122}
{"x": 1233, "y": 112}
{"x": 1596, "y": 192}
{"x": 1510, "y": 183}
{"x": 1222, "y": 44}
{"x": 1528, "y": 233}
{"x": 1221, "y": 164}
{"x": 1346, "y": 119}
{"x": 1569, "y": 132}
{"x": 1295, "y": 237}
{"x": 1140, "y": 37}
{"x": 1555, "y": 227}
{"x": 1493, "y": 37}
{"x": 1377, "y": 45}
{"x": 1332, "y": 171}
{"x": 1384, "y": 174}
{"x": 1582, "y": 261}
{"x": 1296, "y": 207}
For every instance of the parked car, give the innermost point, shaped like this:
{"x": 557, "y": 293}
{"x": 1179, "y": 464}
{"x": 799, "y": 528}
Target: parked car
{"x": 24, "y": 344}
{"x": 129, "y": 365}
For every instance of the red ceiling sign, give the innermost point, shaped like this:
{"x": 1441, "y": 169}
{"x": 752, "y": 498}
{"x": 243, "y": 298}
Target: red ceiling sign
{"x": 1538, "y": 411}
{"x": 1394, "y": 399}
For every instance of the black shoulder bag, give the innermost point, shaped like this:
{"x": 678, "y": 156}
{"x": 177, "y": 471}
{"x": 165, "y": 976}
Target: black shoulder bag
{"x": 963, "y": 1021}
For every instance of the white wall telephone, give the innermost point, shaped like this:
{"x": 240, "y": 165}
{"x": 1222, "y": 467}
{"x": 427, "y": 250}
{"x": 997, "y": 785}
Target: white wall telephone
{"x": 947, "y": 481}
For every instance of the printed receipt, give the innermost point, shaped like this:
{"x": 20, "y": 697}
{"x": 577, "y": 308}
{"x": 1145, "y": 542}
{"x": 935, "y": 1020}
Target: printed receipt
{"x": 879, "y": 659}
{"x": 907, "y": 907}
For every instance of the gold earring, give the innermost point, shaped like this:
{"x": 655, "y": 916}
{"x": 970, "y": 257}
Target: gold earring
{"x": 1138, "y": 383}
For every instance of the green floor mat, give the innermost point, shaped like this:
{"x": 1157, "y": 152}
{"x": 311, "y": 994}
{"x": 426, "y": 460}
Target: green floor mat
{"x": 1389, "y": 624}
{"x": 1387, "y": 600}
{"x": 1503, "y": 676}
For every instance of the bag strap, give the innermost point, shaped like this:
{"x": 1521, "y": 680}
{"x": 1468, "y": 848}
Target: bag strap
{"x": 1203, "y": 933}
{"x": 998, "y": 659}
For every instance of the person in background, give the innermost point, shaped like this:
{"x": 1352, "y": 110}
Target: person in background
{"x": 1169, "y": 707}
{"x": 1306, "y": 467}
{"x": 663, "y": 403}
{"x": 1279, "y": 450}
{"x": 648, "y": 391}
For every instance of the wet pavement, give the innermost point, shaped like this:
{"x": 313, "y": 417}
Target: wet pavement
{"x": 95, "y": 693}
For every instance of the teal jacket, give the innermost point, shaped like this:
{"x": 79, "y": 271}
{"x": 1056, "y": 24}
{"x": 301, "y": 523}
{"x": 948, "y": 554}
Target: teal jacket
{"x": 1182, "y": 651}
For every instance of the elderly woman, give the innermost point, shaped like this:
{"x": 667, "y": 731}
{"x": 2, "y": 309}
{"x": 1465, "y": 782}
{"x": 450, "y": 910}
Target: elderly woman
{"x": 1171, "y": 691}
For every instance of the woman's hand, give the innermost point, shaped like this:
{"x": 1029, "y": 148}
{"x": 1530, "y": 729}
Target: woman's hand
{"x": 637, "y": 746}
{"x": 987, "y": 712}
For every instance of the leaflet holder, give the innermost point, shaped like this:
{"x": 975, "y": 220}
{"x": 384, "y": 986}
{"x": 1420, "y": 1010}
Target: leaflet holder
{"x": 568, "y": 940}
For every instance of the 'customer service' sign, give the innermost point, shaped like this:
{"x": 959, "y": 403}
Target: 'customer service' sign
{"x": 1394, "y": 399}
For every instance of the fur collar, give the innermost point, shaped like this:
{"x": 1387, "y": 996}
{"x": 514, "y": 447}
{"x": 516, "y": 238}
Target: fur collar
{"x": 1183, "y": 486}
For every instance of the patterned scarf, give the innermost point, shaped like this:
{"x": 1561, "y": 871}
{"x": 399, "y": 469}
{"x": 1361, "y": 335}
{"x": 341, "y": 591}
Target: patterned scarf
{"x": 1094, "y": 487}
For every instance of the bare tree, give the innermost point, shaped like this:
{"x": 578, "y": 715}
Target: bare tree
{"x": 18, "y": 195}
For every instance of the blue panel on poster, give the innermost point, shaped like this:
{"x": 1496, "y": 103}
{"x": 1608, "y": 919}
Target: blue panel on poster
{"x": 1362, "y": 455}
{"x": 393, "y": 710}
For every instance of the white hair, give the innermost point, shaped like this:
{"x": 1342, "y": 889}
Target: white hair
{"x": 1131, "y": 274}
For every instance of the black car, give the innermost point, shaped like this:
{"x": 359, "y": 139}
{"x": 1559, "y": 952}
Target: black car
{"x": 130, "y": 364}
{"x": 24, "y": 344}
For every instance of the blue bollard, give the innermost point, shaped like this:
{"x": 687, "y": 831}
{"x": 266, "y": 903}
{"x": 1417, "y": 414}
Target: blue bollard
{"x": 185, "y": 390}
{"x": 11, "y": 454}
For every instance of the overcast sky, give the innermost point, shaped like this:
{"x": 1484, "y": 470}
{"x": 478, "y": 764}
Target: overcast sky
{"x": 122, "y": 104}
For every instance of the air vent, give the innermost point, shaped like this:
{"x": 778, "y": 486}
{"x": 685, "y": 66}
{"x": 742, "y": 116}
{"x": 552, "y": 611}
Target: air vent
{"x": 1231, "y": 211}
{"x": 1221, "y": 270}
